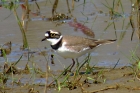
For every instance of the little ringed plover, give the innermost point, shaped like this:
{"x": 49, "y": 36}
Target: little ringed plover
{"x": 69, "y": 46}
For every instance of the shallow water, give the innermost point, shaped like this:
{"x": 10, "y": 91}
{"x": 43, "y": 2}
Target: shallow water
{"x": 104, "y": 56}
{"x": 97, "y": 18}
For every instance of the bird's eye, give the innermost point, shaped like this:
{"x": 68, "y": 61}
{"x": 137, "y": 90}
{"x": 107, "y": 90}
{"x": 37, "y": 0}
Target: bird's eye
{"x": 52, "y": 35}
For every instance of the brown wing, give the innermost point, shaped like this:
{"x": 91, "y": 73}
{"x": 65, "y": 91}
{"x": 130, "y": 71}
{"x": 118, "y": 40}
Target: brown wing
{"x": 77, "y": 43}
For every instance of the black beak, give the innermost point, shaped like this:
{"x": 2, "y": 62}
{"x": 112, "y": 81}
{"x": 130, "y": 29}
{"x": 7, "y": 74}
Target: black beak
{"x": 44, "y": 39}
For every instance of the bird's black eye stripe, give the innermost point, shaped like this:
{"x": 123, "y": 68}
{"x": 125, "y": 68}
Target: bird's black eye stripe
{"x": 53, "y": 34}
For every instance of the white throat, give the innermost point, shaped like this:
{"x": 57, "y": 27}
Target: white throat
{"x": 54, "y": 41}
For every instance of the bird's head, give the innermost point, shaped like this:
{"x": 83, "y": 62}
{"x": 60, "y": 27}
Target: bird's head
{"x": 52, "y": 36}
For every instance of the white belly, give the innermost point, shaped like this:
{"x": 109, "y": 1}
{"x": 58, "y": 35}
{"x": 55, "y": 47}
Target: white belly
{"x": 71, "y": 54}
{"x": 68, "y": 54}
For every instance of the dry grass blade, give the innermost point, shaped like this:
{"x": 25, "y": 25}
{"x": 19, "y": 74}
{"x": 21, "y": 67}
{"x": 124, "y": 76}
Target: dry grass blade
{"x": 109, "y": 24}
{"x": 115, "y": 29}
{"x": 123, "y": 33}
{"x": 3, "y": 54}
{"x": 47, "y": 76}
{"x": 107, "y": 88}
{"x": 63, "y": 73}
{"x": 11, "y": 68}
{"x": 72, "y": 4}
{"x": 68, "y": 6}
{"x": 94, "y": 5}
{"x": 54, "y": 7}
{"x": 115, "y": 87}
{"x": 7, "y": 17}
{"x": 25, "y": 43}
{"x": 37, "y": 6}
{"x": 133, "y": 27}
{"x": 5, "y": 49}
{"x": 94, "y": 22}
{"x": 26, "y": 14}
{"x": 117, "y": 5}
{"x": 138, "y": 18}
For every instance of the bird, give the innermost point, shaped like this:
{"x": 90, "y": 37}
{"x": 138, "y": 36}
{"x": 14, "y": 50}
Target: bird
{"x": 70, "y": 46}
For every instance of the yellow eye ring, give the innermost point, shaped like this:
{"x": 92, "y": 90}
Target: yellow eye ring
{"x": 52, "y": 35}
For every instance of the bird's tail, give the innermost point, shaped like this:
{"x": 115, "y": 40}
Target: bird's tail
{"x": 107, "y": 41}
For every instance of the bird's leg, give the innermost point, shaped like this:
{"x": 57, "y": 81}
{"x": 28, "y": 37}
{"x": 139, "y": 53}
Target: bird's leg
{"x": 72, "y": 64}
{"x": 70, "y": 67}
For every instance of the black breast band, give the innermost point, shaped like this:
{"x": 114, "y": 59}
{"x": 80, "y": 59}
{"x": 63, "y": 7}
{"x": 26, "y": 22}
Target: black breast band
{"x": 56, "y": 46}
